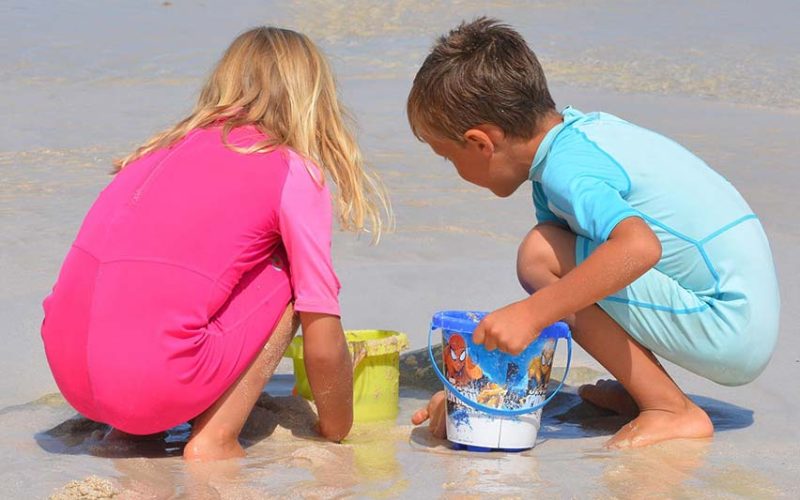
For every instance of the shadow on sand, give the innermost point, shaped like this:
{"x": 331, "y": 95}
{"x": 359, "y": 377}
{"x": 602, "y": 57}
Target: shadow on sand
{"x": 567, "y": 416}
{"x": 81, "y": 436}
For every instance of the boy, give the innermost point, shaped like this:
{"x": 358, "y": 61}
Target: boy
{"x": 639, "y": 244}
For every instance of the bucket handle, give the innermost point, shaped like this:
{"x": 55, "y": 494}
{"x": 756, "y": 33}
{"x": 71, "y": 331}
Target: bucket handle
{"x": 359, "y": 353}
{"x": 501, "y": 412}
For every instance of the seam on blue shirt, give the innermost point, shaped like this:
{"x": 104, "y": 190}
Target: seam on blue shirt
{"x": 727, "y": 227}
{"x": 697, "y": 244}
{"x": 668, "y": 229}
{"x": 710, "y": 267}
{"x": 701, "y": 247}
{"x": 609, "y": 157}
{"x": 656, "y": 307}
{"x": 646, "y": 305}
{"x": 632, "y": 212}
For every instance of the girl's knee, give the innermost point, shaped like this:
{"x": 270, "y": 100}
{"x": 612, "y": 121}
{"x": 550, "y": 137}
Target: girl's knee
{"x": 546, "y": 254}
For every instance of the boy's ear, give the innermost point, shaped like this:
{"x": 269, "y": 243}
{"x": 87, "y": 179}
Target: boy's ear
{"x": 480, "y": 140}
{"x": 485, "y": 137}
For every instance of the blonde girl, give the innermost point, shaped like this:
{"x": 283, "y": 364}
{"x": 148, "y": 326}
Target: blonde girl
{"x": 184, "y": 284}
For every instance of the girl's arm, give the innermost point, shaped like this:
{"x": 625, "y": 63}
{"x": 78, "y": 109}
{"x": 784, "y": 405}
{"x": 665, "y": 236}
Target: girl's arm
{"x": 330, "y": 372}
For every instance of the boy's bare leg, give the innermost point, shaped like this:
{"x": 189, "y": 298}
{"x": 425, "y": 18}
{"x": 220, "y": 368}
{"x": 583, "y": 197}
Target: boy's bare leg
{"x": 215, "y": 432}
{"x": 664, "y": 411}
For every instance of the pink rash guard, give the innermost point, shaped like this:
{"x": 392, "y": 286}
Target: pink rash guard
{"x": 179, "y": 274}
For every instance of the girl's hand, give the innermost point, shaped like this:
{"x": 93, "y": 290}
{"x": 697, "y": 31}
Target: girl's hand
{"x": 435, "y": 412}
{"x": 509, "y": 329}
{"x": 330, "y": 373}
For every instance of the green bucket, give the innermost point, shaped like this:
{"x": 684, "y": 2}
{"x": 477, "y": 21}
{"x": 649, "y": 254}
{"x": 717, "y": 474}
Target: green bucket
{"x": 376, "y": 372}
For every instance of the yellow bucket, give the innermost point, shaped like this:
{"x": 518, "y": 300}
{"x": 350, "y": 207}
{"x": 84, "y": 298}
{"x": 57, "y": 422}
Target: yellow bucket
{"x": 376, "y": 372}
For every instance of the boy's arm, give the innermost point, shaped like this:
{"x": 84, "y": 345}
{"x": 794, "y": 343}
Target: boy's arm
{"x": 330, "y": 373}
{"x": 631, "y": 249}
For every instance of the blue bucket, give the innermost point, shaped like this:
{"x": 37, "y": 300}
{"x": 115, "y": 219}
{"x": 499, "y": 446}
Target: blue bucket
{"x": 494, "y": 399}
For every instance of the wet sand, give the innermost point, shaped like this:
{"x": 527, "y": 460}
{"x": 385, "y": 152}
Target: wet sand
{"x": 81, "y": 84}
{"x": 381, "y": 459}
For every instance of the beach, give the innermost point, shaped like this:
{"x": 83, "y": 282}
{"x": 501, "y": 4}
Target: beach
{"x": 83, "y": 83}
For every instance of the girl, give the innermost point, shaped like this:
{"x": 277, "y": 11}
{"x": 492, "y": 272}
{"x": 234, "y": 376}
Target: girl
{"x": 178, "y": 296}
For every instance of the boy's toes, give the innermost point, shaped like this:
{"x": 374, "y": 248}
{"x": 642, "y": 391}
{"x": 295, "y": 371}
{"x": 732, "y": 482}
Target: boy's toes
{"x": 419, "y": 416}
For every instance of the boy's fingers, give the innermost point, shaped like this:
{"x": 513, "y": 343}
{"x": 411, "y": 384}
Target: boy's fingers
{"x": 479, "y": 334}
{"x": 420, "y": 416}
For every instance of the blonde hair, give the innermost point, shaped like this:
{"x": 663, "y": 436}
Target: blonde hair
{"x": 278, "y": 81}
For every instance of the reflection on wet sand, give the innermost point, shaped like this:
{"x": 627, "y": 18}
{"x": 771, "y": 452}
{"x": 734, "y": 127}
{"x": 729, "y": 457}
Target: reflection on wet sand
{"x": 661, "y": 470}
{"x": 468, "y": 473}
{"x": 678, "y": 469}
{"x": 383, "y": 459}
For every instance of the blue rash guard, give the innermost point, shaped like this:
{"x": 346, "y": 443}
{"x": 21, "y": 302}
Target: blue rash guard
{"x": 711, "y": 304}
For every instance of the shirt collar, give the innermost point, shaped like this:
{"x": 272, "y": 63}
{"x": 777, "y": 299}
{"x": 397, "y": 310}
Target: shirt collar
{"x": 570, "y": 115}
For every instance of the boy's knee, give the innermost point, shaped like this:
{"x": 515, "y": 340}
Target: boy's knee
{"x": 538, "y": 260}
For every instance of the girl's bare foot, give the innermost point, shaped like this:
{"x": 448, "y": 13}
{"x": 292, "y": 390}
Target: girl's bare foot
{"x": 200, "y": 448}
{"x": 656, "y": 425}
{"x": 609, "y": 394}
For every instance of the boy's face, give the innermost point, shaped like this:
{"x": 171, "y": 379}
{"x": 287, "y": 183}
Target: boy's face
{"x": 485, "y": 159}
{"x": 471, "y": 163}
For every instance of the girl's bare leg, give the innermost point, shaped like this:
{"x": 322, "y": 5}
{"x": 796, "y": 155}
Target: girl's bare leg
{"x": 215, "y": 432}
{"x": 664, "y": 411}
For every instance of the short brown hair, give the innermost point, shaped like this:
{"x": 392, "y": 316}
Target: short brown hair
{"x": 480, "y": 72}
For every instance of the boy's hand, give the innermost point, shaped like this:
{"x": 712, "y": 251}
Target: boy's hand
{"x": 434, "y": 412}
{"x": 509, "y": 329}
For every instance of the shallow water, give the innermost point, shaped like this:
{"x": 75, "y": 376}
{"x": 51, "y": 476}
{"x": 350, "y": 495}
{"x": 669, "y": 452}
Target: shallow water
{"x": 83, "y": 82}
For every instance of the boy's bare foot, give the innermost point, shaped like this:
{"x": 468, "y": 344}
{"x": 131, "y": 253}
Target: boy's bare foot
{"x": 609, "y": 394}
{"x": 656, "y": 425}
{"x": 435, "y": 411}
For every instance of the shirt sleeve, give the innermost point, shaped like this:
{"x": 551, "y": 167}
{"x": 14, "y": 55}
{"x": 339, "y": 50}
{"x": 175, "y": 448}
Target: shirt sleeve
{"x": 306, "y": 219}
{"x": 590, "y": 188}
